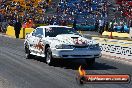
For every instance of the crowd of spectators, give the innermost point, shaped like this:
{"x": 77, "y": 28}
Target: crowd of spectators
{"x": 11, "y": 9}
{"x": 83, "y": 12}
{"x": 122, "y": 22}
{"x": 125, "y": 6}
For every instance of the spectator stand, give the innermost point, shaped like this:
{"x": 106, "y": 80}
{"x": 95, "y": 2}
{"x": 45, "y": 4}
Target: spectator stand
{"x": 87, "y": 12}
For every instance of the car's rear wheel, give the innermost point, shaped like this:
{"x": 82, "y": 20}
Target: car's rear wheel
{"x": 90, "y": 62}
{"x": 27, "y": 51}
{"x": 48, "y": 57}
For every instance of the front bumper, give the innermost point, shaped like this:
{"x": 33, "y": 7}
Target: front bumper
{"x": 76, "y": 53}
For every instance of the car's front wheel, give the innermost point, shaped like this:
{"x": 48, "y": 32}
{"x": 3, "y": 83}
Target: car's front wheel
{"x": 90, "y": 62}
{"x": 27, "y": 51}
{"x": 48, "y": 57}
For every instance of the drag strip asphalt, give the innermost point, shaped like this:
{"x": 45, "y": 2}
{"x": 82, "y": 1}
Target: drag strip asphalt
{"x": 18, "y": 72}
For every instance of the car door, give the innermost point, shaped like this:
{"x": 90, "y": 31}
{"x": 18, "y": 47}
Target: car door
{"x": 38, "y": 43}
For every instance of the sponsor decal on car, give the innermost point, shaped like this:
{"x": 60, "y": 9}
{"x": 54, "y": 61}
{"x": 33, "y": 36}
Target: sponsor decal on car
{"x": 39, "y": 46}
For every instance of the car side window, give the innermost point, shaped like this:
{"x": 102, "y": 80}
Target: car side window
{"x": 39, "y": 32}
{"x": 49, "y": 32}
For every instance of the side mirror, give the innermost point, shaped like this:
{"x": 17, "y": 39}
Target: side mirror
{"x": 33, "y": 34}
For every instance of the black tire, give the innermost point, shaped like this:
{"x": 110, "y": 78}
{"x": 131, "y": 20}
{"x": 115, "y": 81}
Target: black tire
{"x": 48, "y": 57}
{"x": 27, "y": 51}
{"x": 90, "y": 62}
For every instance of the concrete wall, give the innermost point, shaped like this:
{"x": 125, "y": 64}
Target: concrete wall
{"x": 116, "y": 48}
{"x": 11, "y": 32}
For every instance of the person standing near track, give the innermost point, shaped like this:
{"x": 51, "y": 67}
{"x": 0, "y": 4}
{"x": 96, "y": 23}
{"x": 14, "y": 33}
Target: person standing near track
{"x": 101, "y": 26}
{"x": 74, "y": 24}
{"x": 17, "y": 28}
{"x": 96, "y": 26}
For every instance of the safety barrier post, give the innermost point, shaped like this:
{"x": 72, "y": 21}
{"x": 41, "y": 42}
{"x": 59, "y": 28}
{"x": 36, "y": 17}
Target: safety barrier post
{"x": 23, "y": 33}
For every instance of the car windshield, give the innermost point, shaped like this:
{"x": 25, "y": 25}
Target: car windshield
{"x": 54, "y": 31}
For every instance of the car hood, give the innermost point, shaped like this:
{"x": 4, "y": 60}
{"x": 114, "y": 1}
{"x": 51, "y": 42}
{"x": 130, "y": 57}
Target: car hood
{"x": 72, "y": 39}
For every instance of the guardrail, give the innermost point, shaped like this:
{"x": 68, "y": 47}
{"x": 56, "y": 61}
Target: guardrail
{"x": 116, "y": 34}
{"x": 117, "y": 51}
{"x": 115, "y": 48}
{"x": 11, "y": 32}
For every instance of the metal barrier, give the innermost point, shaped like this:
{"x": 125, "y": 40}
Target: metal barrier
{"x": 119, "y": 49}
{"x": 11, "y": 32}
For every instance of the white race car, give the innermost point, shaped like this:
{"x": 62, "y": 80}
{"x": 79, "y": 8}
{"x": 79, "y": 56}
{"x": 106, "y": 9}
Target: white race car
{"x": 60, "y": 42}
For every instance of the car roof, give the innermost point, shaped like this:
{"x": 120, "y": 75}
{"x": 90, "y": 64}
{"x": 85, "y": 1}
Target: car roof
{"x": 53, "y": 26}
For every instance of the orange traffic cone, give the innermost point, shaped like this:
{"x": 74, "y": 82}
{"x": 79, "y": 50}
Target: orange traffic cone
{"x": 111, "y": 37}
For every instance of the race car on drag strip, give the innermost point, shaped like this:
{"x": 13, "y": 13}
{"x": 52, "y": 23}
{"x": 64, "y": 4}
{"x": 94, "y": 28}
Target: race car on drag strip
{"x": 60, "y": 42}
